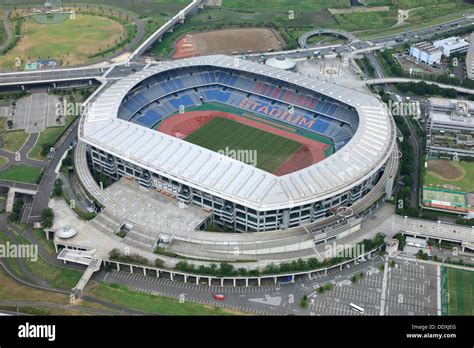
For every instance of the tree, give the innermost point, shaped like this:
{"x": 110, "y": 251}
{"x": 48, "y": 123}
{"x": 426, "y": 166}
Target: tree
{"x": 47, "y": 217}
{"x": 304, "y": 302}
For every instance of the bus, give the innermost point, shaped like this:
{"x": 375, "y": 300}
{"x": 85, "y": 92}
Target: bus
{"x": 357, "y": 308}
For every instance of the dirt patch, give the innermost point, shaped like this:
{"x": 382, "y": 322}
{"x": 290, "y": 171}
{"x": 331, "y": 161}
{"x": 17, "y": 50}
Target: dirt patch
{"x": 227, "y": 41}
{"x": 182, "y": 125}
{"x": 445, "y": 169}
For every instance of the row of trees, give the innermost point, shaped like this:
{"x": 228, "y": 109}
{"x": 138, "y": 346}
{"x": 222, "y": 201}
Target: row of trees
{"x": 425, "y": 89}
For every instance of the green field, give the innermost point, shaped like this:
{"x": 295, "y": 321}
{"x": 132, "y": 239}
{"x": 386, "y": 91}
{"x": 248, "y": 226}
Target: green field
{"x": 20, "y": 173}
{"x": 48, "y": 137}
{"x": 70, "y": 42}
{"x": 14, "y": 140}
{"x": 275, "y": 123}
{"x": 457, "y": 292}
{"x": 220, "y": 134}
{"x": 437, "y": 177}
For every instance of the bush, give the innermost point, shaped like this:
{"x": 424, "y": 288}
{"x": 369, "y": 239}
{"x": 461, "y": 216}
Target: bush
{"x": 47, "y": 217}
{"x": 16, "y": 210}
{"x": 116, "y": 255}
{"x": 58, "y": 188}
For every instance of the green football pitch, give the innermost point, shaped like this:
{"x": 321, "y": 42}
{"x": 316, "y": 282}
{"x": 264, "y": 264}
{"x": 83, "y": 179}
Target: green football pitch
{"x": 458, "y": 292}
{"x": 265, "y": 150}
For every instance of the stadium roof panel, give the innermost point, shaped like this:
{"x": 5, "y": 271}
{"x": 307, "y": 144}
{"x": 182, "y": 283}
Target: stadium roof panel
{"x": 225, "y": 177}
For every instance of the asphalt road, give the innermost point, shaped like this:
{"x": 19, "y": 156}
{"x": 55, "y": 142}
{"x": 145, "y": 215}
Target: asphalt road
{"x": 46, "y": 184}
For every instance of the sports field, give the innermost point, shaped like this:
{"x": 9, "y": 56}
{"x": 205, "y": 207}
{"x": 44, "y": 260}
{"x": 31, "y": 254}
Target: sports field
{"x": 457, "y": 296}
{"x": 270, "y": 149}
{"x": 450, "y": 175}
{"x": 70, "y": 42}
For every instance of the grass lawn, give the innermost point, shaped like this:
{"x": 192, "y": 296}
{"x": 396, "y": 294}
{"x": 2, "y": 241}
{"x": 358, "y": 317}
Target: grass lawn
{"x": 220, "y": 134}
{"x": 48, "y": 136}
{"x": 3, "y": 160}
{"x": 71, "y": 41}
{"x": 458, "y": 290}
{"x": 369, "y": 20}
{"x": 302, "y": 5}
{"x": 57, "y": 277}
{"x": 121, "y": 295}
{"x": 464, "y": 183}
{"x": 14, "y": 140}
{"x": 20, "y": 173}
{"x": 47, "y": 244}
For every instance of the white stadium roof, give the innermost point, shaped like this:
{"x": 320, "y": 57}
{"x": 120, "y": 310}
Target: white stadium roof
{"x": 230, "y": 179}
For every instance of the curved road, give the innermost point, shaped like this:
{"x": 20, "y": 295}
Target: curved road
{"x": 302, "y": 40}
{"x": 23, "y": 154}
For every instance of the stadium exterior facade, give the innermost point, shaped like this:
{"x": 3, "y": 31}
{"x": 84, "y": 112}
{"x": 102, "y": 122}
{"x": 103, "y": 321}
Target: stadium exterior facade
{"x": 240, "y": 196}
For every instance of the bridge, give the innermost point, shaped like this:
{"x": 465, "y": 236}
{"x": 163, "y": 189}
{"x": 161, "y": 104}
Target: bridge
{"x": 405, "y": 80}
{"x": 168, "y": 26}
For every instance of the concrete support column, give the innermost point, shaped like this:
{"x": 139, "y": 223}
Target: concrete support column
{"x": 210, "y": 281}
{"x": 144, "y": 271}
{"x": 246, "y": 281}
{"x": 56, "y": 248}
{"x": 235, "y": 282}
{"x": 463, "y": 248}
{"x": 131, "y": 269}
{"x": 275, "y": 279}
{"x": 171, "y": 275}
{"x": 439, "y": 241}
{"x": 185, "y": 278}
{"x": 326, "y": 271}
{"x": 157, "y": 274}
{"x": 118, "y": 266}
{"x": 340, "y": 267}
{"x": 259, "y": 281}
{"x": 293, "y": 278}
{"x": 222, "y": 281}
{"x": 197, "y": 280}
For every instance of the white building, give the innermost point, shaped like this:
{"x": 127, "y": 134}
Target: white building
{"x": 470, "y": 59}
{"x": 452, "y": 45}
{"x": 426, "y": 53}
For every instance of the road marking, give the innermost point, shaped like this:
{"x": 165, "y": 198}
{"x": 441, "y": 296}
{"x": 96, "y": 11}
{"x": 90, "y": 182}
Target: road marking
{"x": 384, "y": 288}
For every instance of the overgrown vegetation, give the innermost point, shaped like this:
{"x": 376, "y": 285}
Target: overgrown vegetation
{"x": 47, "y": 217}
{"x": 16, "y": 210}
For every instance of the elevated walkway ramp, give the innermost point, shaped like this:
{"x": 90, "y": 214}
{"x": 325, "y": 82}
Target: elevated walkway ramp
{"x": 84, "y": 258}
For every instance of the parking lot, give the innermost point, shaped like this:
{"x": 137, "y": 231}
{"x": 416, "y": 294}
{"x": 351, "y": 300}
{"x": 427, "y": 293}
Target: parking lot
{"x": 410, "y": 289}
{"x": 36, "y": 112}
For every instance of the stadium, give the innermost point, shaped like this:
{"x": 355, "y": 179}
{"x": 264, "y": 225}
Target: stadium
{"x": 177, "y": 127}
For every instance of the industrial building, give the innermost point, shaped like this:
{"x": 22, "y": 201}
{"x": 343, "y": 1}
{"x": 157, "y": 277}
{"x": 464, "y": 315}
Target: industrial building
{"x": 426, "y": 53}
